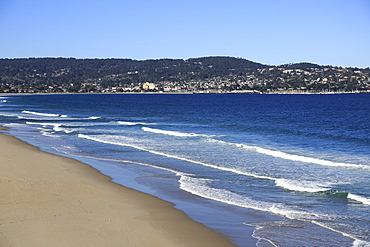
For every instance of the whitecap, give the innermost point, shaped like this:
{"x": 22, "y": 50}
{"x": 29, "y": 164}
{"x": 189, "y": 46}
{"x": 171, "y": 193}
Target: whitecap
{"x": 173, "y": 133}
{"x": 45, "y": 114}
{"x": 301, "y": 185}
{"x": 56, "y": 126}
{"x": 360, "y": 243}
{"x": 134, "y": 123}
{"x": 358, "y": 198}
{"x": 111, "y": 140}
{"x": 9, "y": 114}
{"x": 293, "y": 157}
{"x": 41, "y": 114}
{"x": 200, "y": 187}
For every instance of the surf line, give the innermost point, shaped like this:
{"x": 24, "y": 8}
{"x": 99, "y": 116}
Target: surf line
{"x": 174, "y": 133}
{"x": 303, "y": 186}
{"x": 44, "y": 114}
{"x": 176, "y": 157}
{"x": 292, "y": 157}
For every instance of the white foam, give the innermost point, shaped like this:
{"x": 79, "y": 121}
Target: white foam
{"x": 3, "y": 99}
{"x": 107, "y": 140}
{"x": 8, "y": 114}
{"x": 301, "y": 185}
{"x": 356, "y": 242}
{"x": 47, "y": 132}
{"x": 41, "y": 114}
{"x": 44, "y": 124}
{"x": 93, "y": 117}
{"x": 61, "y": 129}
{"x": 172, "y": 133}
{"x": 358, "y": 198}
{"x": 360, "y": 243}
{"x": 134, "y": 123}
{"x": 200, "y": 187}
{"x": 295, "y": 185}
{"x": 127, "y": 123}
{"x": 56, "y": 126}
{"x": 293, "y": 157}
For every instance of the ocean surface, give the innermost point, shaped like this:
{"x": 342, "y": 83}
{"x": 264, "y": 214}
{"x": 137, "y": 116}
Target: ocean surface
{"x": 293, "y": 170}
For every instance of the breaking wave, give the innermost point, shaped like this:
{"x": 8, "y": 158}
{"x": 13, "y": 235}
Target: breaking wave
{"x": 56, "y": 126}
{"x": 173, "y": 133}
{"x": 44, "y": 114}
{"x": 134, "y": 123}
{"x": 358, "y": 198}
{"x": 293, "y": 157}
{"x": 302, "y": 186}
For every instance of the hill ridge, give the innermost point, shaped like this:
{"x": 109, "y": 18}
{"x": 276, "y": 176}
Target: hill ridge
{"x": 212, "y": 73}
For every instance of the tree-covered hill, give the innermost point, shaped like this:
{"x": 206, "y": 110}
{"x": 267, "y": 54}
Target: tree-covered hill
{"x": 206, "y": 73}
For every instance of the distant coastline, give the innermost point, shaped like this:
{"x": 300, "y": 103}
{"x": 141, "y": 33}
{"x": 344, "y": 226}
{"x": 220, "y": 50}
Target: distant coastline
{"x": 195, "y": 75}
{"x": 201, "y": 92}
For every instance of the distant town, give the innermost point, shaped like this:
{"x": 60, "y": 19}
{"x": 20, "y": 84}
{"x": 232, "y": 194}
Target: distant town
{"x": 197, "y": 75}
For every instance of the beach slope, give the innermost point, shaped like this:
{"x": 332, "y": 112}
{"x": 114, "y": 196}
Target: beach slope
{"x": 49, "y": 200}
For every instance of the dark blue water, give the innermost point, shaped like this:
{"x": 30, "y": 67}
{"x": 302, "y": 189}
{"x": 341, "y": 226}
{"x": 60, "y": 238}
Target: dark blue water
{"x": 293, "y": 168}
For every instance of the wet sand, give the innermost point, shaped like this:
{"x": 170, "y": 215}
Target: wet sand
{"x": 49, "y": 200}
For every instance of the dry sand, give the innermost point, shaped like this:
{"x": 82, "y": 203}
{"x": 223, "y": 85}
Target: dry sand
{"x": 49, "y": 200}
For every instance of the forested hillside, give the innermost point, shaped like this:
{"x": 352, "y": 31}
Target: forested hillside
{"x": 212, "y": 74}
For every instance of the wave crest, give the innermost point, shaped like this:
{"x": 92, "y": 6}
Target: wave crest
{"x": 134, "y": 123}
{"x": 173, "y": 133}
{"x": 293, "y": 157}
{"x": 358, "y": 198}
{"x": 44, "y": 114}
{"x": 302, "y": 186}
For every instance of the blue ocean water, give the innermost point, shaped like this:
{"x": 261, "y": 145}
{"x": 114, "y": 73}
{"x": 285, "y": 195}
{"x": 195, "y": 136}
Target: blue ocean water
{"x": 294, "y": 170}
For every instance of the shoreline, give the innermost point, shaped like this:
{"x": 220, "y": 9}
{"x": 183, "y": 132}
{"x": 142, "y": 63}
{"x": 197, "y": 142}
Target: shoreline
{"x": 50, "y": 200}
{"x": 277, "y": 92}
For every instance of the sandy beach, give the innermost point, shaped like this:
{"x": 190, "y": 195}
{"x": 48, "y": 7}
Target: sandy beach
{"x": 49, "y": 200}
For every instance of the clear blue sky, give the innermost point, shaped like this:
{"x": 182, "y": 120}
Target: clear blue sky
{"x": 335, "y": 32}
